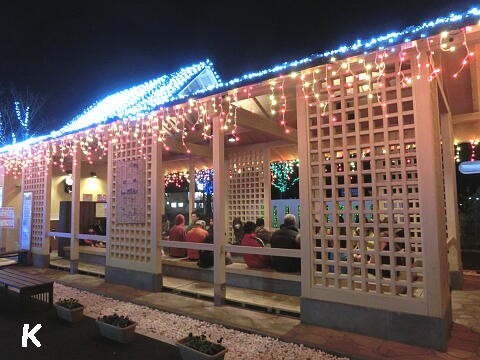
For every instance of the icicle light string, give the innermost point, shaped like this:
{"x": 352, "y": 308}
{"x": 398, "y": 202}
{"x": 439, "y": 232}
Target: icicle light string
{"x": 94, "y": 141}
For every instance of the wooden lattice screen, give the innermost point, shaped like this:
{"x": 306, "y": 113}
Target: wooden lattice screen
{"x": 130, "y": 244}
{"x": 364, "y": 198}
{"x": 36, "y": 180}
{"x": 246, "y": 187}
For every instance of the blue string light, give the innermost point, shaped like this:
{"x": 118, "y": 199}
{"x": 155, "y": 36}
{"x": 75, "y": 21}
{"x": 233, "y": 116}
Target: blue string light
{"x": 205, "y": 178}
{"x": 130, "y": 103}
{"x": 364, "y": 46}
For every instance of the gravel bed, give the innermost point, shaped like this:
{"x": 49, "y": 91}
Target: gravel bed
{"x": 159, "y": 324}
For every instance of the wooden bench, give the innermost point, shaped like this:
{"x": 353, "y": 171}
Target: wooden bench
{"x": 31, "y": 287}
{"x": 10, "y": 258}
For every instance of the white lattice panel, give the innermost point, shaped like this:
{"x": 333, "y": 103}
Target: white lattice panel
{"x": 365, "y": 210}
{"x": 131, "y": 243}
{"x": 246, "y": 187}
{"x": 35, "y": 178}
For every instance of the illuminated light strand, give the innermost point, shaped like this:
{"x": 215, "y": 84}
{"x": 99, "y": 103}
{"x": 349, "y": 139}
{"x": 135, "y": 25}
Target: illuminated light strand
{"x": 362, "y": 46}
{"x": 273, "y": 101}
{"x": 468, "y": 52}
{"x": 234, "y": 129}
{"x": 380, "y": 66}
{"x": 404, "y": 81}
{"x": 418, "y": 57}
{"x": 116, "y": 137}
{"x": 430, "y": 65}
{"x": 445, "y": 47}
{"x": 359, "y": 46}
{"x": 283, "y": 109}
{"x": 457, "y": 152}
{"x": 178, "y": 179}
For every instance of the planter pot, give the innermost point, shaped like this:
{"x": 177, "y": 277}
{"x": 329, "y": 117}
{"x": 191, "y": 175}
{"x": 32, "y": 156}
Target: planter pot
{"x": 191, "y": 354}
{"x": 118, "y": 334}
{"x": 70, "y": 315}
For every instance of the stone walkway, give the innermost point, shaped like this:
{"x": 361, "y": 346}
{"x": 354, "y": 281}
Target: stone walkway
{"x": 464, "y": 342}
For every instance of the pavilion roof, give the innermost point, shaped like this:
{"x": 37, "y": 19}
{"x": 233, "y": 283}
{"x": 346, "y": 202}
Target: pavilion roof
{"x": 200, "y": 79}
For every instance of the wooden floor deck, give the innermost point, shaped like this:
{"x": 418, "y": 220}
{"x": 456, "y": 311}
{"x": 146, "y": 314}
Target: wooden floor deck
{"x": 270, "y": 302}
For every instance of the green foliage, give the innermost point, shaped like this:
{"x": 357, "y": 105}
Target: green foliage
{"x": 282, "y": 174}
{"x": 200, "y": 343}
{"x": 116, "y": 320}
{"x": 69, "y": 303}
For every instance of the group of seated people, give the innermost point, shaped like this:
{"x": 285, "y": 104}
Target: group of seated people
{"x": 248, "y": 234}
{"x": 197, "y": 232}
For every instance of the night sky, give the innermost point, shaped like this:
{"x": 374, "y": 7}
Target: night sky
{"x": 76, "y": 52}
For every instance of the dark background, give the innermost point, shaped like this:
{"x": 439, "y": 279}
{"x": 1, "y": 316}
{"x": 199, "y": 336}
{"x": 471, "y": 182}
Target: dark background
{"x": 76, "y": 52}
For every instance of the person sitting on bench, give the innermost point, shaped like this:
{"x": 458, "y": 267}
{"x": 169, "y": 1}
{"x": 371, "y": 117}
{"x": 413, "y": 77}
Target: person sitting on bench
{"x": 253, "y": 261}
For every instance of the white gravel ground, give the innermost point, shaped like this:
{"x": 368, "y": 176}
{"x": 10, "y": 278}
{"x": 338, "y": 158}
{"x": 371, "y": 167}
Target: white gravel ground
{"x": 162, "y": 325}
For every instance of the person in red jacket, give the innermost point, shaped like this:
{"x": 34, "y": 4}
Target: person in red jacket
{"x": 177, "y": 233}
{"x": 198, "y": 234}
{"x": 250, "y": 239}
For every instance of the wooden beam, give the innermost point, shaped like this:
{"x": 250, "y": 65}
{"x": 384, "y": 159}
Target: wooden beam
{"x": 257, "y": 146}
{"x": 466, "y": 118}
{"x": 262, "y": 109}
{"x": 256, "y": 122}
{"x": 199, "y": 150}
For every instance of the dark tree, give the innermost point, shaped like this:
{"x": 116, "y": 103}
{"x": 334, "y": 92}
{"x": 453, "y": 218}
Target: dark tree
{"x": 20, "y": 114}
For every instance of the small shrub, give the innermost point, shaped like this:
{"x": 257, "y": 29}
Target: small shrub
{"x": 200, "y": 343}
{"x": 69, "y": 303}
{"x": 116, "y": 320}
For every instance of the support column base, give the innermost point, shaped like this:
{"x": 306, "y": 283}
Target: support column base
{"x": 219, "y": 294}
{"x": 136, "y": 279}
{"x": 40, "y": 260}
{"x": 456, "y": 280}
{"x": 412, "y": 329}
{"x": 74, "y": 266}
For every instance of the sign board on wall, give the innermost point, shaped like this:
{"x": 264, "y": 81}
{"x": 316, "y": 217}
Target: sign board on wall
{"x": 26, "y": 229}
{"x": 7, "y": 217}
{"x": 130, "y": 191}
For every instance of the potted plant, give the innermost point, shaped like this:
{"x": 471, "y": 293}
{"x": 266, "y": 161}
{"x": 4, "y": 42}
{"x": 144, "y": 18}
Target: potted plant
{"x": 69, "y": 309}
{"x": 118, "y": 328}
{"x": 195, "y": 347}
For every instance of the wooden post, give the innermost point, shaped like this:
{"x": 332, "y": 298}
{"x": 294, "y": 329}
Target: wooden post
{"x": 191, "y": 189}
{"x": 75, "y": 212}
{"x": 46, "y": 212}
{"x": 267, "y": 212}
{"x": 109, "y": 201}
{"x": 304, "y": 175}
{"x": 450, "y": 181}
{"x": 427, "y": 131}
{"x": 219, "y": 290}
{"x": 158, "y": 207}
